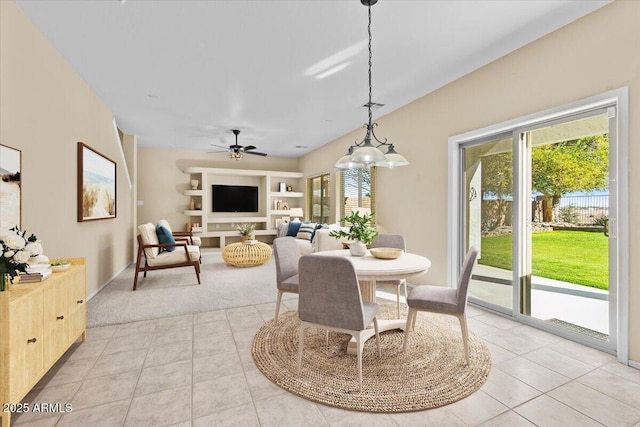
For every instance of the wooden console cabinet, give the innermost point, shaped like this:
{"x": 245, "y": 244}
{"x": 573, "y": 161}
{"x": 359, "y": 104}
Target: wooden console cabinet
{"x": 38, "y": 323}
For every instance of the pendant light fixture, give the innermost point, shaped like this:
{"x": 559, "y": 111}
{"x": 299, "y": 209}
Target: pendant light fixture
{"x": 365, "y": 153}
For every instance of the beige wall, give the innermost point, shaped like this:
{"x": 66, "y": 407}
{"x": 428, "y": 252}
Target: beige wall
{"x": 162, "y": 183}
{"x": 593, "y": 55}
{"x": 45, "y": 109}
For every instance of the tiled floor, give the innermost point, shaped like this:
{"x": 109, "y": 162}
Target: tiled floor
{"x": 197, "y": 370}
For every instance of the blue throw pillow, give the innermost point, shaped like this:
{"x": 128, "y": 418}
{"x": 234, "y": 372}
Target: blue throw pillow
{"x": 294, "y": 227}
{"x": 318, "y": 227}
{"x": 164, "y": 237}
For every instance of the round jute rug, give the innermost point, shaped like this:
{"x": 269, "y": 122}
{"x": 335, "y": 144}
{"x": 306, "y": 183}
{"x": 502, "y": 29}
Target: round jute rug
{"x": 431, "y": 373}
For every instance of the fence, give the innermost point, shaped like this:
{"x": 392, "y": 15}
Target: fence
{"x": 585, "y": 209}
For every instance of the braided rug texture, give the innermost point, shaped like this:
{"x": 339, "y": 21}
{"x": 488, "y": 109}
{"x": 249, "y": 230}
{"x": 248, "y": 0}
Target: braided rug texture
{"x": 431, "y": 373}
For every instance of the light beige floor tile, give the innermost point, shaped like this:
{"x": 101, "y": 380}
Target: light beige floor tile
{"x": 111, "y": 388}
{"x": 160, "y": 409}
{"x": 132, "y": 341}
{"x": 209, "y": 316}
{"x": 216, "y": 366}
{"x": 219, "y": 394}
{"x": 507, "y": 419}
{"x": 244, "y": 415}
{"x": 182, "y": 424}
{"x": 50, "y": 394}
{"x": 101, "y": 332}
{"x": 289, "y": 304}
{"x": 67, "y": 371}
{"x": 288, "y": 410}
{"x": 474, "y": 311}
{"x": 182, "y": 320}
{"x": 480, "y": 328}
{"x": 108, "y": 415}
{"x": 508, "y": 390}
{"x": 565, "y": 365}
{"x": 164, "y": 377}
{"x": 431, "y": 417}
{"x": 43, "y": 422}
{"x": 259, "y": 386}
{"x": 548, "y": 412}
{"x": 148, "y": 326}
{"x": 364, "y": 419}
{"x": 614, "y": 386}
{"x": 211, "y": 329}
{"x": 532, "y": 374}
{"x": 533, "y": 334}
{"x": 499, "y": 354}
{"x": 242, "y": 320}
{"x": 496, "y": 321}
{"x": 513, "y": 342}
{"x": 625, "y": 371}
{"x": 596, "y": 405}
{"x": 477, "y": 408}
{"x": 205, "y": 347}
{"x": 169, "y": 353}
{"x": 246, "y": 357}
{"x": 109, "y": 364}
{"x": 267, "y": 311}
{"x": 172, "y": 334}
{"x": 583, "y": 353}
{"x": 244, "y": 338}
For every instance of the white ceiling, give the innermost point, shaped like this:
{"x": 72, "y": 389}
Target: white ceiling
{"x": 182, "y": 74}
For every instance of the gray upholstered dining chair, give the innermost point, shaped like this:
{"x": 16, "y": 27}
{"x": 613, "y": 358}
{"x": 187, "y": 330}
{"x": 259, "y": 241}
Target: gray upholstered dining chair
{"x": 330, "y": 299}
{"x": 443, "y": 300}
{"x": 287, "y": 254}
{"x": 392, "y": 241}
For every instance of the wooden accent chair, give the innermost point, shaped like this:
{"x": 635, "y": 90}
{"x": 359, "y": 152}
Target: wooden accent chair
{"x": 287, "y": 255}
{"x": 182, "y": 235}
{"x": 184, "y": 255}
{"x": 438, "y": 299}
{"x": 392, "y": 241}
{"x": 330, "y": 299}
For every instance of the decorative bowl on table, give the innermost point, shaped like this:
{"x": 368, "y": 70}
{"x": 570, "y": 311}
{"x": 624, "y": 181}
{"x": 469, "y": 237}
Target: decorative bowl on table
{"x": 60, "y": 267}
{"x": 386, "y": 253}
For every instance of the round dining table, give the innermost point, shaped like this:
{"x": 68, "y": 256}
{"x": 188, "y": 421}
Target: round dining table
{"x": 370, "y": 269}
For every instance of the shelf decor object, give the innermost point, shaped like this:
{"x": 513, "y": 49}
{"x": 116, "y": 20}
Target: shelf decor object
{"x": 10, "y": 188}
{"x": 296, "y": 213}
{"x": 96, "y": 185}
{"x": 365, "y": 154}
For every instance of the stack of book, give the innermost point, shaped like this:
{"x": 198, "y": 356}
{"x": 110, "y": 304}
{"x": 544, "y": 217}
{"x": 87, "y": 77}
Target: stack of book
{"x": 36, "y": 273}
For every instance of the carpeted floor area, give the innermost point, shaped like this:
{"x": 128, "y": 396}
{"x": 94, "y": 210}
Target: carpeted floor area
{"x": 172, "y": 292}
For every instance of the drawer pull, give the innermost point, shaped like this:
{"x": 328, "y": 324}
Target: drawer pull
{"x": 60, "y": 318}
{"x": 31, "y": 340}
{"x": 80, "y": 301}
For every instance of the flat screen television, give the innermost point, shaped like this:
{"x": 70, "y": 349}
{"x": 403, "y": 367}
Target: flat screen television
{"x": 234, "y": 198}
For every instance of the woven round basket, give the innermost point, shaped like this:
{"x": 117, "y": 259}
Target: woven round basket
{"x": 246, "y": 255}
{"x": 431, "y": 373}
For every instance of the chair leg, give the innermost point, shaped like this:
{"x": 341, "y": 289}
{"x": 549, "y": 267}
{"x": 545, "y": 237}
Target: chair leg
{"x": 411, "y": 313}
{"x": 465, "y": 335}
{"x": 300, "y": 346}
{"x": 360, "y": 343}
{"x": 413, "y": 320}
{"x": 135, "y": 278}
{"x": 375, "y": 328}
{"x": 197, "y": 268}
{"x": 398, "y": 300}
{"x": 278, "y": 300}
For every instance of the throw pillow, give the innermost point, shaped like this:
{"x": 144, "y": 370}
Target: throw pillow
{"x": 294, "y": 226}
{"x": 318, "y": 227}
{"x": 164, "y": 237}
{"x": 306, "y": 231}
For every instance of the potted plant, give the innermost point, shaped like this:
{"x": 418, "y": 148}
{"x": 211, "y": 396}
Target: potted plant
{"x": 361, "y": 232}
{"x": 245, "y": 231}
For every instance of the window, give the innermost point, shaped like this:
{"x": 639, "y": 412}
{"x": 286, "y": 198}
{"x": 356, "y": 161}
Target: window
{"x": 357, "y": 189}
{"x": 319, "y": 198}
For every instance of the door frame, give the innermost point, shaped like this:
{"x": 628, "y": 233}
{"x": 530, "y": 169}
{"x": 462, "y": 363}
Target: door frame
{"x": 620, "y": 99}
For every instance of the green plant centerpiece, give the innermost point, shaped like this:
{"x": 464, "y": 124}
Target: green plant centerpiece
{"x": 361, "y": 231}
{"x": 246, "y": 230}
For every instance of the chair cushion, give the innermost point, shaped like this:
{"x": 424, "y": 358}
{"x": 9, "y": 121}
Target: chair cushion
{"x": 370, "y": 310}
{"x": 306, "y": 231}
{"x": 290, "y": 285}
{"x": 434, "y": 298}
{"x": 164, "y": 237}
{"x": 149, "y": 237}
{"x": 175, "y": 257}
{"x": 196, "y": 240}
{"x": 165, "y": 224}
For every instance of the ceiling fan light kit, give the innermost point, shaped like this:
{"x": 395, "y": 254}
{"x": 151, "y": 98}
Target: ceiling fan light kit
{"x": 237, "y": 152}
{"x": 365, "y": 153}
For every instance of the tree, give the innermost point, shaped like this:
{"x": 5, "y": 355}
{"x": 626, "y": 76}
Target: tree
{"x": 578, "y": 165}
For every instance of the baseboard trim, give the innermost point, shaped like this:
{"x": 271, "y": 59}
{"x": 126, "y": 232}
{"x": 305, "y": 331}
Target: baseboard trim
{"x": 634, "y": 364}
{"x": 93, "y": 294}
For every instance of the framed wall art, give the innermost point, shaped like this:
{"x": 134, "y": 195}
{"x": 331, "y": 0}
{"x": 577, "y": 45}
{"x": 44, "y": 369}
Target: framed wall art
{"x": 96, "y": 185}
{"x": 10, "y": 188}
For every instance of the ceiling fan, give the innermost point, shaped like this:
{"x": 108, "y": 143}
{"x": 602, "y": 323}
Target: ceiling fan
{"x": 236, "y": 151}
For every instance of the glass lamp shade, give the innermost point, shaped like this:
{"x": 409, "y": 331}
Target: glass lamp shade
{"x": 392, "y": 159}
{"x": 367, "y": 154}
{"x": 345, "y": 162}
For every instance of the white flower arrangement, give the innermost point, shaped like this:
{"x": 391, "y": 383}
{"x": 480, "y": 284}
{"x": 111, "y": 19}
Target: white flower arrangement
{"x": 17, "y": 249}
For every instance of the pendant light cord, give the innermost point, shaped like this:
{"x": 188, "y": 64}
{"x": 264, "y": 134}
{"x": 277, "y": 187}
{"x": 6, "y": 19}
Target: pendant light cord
{"x": 370, "y": 56}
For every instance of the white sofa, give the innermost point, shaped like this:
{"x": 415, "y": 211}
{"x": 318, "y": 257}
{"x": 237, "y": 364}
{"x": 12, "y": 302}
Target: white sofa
{"x": 321, "y": 241}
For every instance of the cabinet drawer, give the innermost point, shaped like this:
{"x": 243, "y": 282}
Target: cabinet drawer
{"x": 26, "y": 352}
{"x": 56, "y": 320}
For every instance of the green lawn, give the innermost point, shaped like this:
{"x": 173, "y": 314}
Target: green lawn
{"x": 571, "y": 256}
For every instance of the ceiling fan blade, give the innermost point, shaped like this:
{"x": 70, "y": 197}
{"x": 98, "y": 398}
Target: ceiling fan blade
{"x": 250, "y": 147}
{"x": 255, "y": 153}
{"x": 219, "y": 146}
{"x": 221, "y": 151}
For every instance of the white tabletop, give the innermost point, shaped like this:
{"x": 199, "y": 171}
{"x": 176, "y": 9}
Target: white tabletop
{"x": 370, "y": 268}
